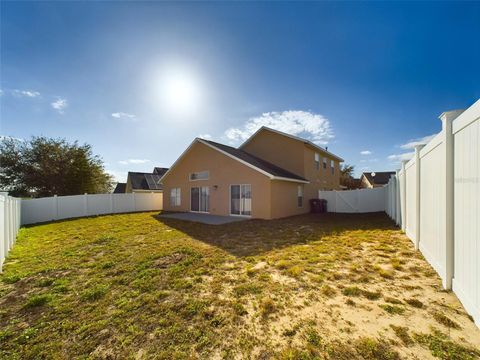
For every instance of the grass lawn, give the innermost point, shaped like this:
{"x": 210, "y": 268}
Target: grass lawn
{"x": 308, "y": 287}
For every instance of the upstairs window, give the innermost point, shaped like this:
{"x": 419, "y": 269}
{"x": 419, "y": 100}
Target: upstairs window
{"x": 317, "y": 161}
{"x": 175, "y": 197}
{"x": 300, "y": 196}
{"x": 324, "y": 163}
{"x": 201, "y": 175}
{"x": 332, "y": 166}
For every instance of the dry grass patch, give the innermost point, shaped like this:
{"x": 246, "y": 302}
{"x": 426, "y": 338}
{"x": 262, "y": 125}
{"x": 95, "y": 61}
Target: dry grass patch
{"x": 306, "y": 287}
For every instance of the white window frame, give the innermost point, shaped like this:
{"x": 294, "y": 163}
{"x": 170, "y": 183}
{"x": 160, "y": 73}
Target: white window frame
{"x": 317, "y": 161}
{"x": 200, "y": 199}
{"x": 300, "y": 196}
{"x": 332, "y": 166}
{"x": 176, "y": 196}
{"x": 230, "y": 200}
{"x": 324, "y": 162}
{"x": 199, "y": 172}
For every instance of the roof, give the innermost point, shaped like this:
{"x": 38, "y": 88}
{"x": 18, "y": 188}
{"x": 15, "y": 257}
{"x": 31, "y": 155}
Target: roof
{"x": 144, "y": 181}
{"x": 160, "y": 170}
{"x": 255, "y": 161}
{"x": 120, "y": 188}
{"x": 305, "y": 141}
{"x": 380, "y": 178}
{"x": 272, "y": 171}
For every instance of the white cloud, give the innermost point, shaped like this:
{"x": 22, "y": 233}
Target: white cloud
{"x": 27, "y": 93}
{"x": 205, "y": 136}
{"x": 123, "y": 115}
{"x": 312, "y": 126}
{"x": 365, "y": 152}
{"x": 133, "y": 161}
{"x": 420, "y": 141}
{"x": 60, "y": 105}
{"x": 399, "y": 157}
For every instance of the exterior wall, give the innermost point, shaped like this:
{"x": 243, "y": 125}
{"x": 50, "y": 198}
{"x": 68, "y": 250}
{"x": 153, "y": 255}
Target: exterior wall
{"x": 365, "y": 183}
{"x": 223, "y": 172}
{"x": 320, "y": 179}
{"x": 297, "y": 157}
{"x": 279, "y": 150}
{"x": 284, "y": 199}
{"x": 128, "y": 187}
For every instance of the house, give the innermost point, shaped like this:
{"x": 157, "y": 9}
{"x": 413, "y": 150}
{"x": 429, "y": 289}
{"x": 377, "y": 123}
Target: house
{"x": 271, "y": 175}
{"x": 375, "y": 179}
{"x": 145, "y": 182}
{"x": 120, "y": 188}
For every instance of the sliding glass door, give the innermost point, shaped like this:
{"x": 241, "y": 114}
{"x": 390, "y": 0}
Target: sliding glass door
{"x": 241, "y": 199}
{"x": 200, "y": 199}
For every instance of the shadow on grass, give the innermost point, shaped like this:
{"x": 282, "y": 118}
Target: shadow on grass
{"x": 255, "y": 237}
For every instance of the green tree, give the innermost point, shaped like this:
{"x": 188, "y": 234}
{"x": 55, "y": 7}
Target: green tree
{"x": 346, "y": 177}
{"x": 46, "y": 167}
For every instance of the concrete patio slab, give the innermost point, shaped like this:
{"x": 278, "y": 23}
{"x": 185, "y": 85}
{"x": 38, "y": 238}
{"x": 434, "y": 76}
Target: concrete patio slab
{"x": 203, "y": 218}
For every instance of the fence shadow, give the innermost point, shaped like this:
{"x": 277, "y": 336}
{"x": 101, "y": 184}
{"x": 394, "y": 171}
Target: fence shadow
{"x": 254, "y": 237}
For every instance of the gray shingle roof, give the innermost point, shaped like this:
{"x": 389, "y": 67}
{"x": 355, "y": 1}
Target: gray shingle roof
{"x": 255, "y": 161}
{"x": 120, "y": 188}
{"x": 380, "y": 178}
{"x": 144, "y": 181}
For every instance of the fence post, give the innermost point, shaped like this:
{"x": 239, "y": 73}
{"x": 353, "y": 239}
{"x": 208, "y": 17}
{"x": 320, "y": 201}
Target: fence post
{"x": 403, "y": 199}
{"x": 85, "y": 204}
{"x": 397, "y": 199}
{"x": 417, "y": 194}
{"x": 111, "y": 203}
{"x": 55, "y": 205}
{"x": 3, "y": 239}
{"x": 447, "y": 120}
{"x": 134, "y": 202}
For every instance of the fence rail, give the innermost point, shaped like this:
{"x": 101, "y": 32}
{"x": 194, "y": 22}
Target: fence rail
{"x": 435, "y": 198}
{"x": 9, "y": 224}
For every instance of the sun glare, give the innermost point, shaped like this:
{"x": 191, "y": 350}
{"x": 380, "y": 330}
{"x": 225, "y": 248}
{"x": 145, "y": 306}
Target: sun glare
{"x": 180, "y": 92}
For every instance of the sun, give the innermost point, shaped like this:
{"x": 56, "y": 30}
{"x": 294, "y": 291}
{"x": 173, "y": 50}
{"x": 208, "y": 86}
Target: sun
{"x": 180, "y": 91}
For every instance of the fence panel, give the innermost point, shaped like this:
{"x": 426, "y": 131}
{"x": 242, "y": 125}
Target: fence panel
{"x": 66, "y": 207}
{"x": 10, "y": 218}
{"x": 466, "y": 281}
{"x": 354, "y": 201}
{"x": 410, "y": 198}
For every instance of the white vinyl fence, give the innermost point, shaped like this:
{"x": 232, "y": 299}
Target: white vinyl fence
{"x": 435, "y": 198}
{"x": 354, "y": 201}
{"x": 9, "y": 224}
{"x": 15, "y": 212}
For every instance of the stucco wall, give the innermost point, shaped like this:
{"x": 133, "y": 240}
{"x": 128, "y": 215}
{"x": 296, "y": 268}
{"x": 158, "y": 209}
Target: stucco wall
{"x": 278, "y": 149}
{"x": 284, "y": 199}
{"x": 224, "y": 171}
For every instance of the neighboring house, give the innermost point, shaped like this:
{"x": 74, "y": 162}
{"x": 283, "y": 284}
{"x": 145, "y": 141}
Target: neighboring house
{"x": 375, "y": 179}
{"x": 272, "y": 175}
{"x": 120, "y": 188}
{"x": 145, "y": 182}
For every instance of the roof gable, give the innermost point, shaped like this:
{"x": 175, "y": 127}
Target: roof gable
{"x": 304, "y": 141}
{"x": 380, "y": 178}
{"x": 272, "y": 171}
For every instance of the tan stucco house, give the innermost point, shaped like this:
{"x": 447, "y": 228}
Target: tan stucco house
{"x": 271, "y": 175}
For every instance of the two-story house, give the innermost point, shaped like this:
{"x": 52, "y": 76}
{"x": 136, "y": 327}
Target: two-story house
{"x": 271, "y": 175}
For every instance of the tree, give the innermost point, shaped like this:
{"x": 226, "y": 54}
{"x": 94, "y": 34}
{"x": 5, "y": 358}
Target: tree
{"x": 346, "y": 177}
{"x": 46, "y": 167}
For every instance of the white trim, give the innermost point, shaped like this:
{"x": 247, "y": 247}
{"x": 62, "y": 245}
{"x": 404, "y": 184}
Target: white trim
{"x": 305, "y": 141}
{"x": 201, "y": 141}
{"x": 230, "y": 200}
{"x": 199, "y": 199}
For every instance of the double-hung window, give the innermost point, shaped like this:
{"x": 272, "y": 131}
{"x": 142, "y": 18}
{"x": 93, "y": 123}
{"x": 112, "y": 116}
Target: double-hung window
{"x": 324, "y": 163}
{"x": 175, "y": 197}
{"x": 300, "y": 196}
{"x": 317, "y": 161}
{"x": 332, "y": 166}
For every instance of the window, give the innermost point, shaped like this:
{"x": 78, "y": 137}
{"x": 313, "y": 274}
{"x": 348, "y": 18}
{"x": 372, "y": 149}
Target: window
{"x": 317, "y": 160}
{"x": 200, "y": 199}
{"x": 300, "y": 196}
{"x": 241, "y": 199}
{"x": 201, "y": 175}
{"x": 175, "y": 197}
{"x": 332, "y": 166}
{"x": 324, "y": 163}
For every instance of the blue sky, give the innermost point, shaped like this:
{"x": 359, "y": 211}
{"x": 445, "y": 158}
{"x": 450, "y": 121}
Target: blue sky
{"x": 139, "y": 81}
